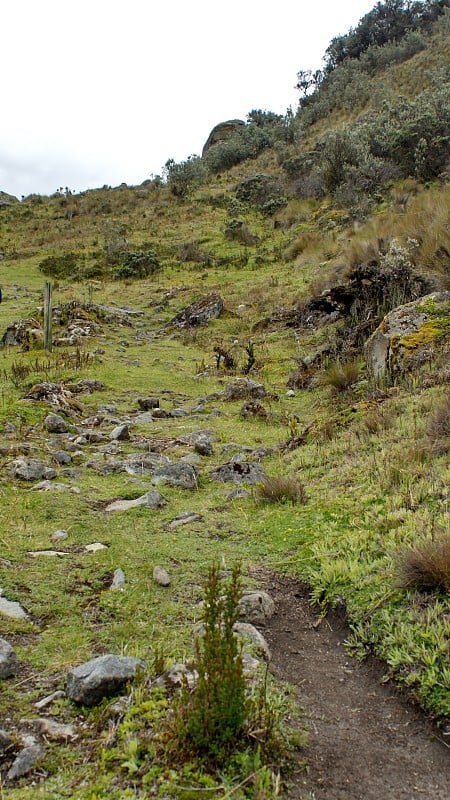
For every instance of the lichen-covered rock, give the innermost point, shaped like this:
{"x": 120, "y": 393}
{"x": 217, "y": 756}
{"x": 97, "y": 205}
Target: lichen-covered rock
{"x": 31, "y": 469}
{"x": 54, "y": 423}
{"x": 222, "y": 133}
{"x": 244, "y": 388}
{"x": 238, "y": 471}
{"x": 409, "y": 335}
{"x": 256, "y": 607}
{"x": 100, "y": 677}
{"x": 182, "y": 474}
{"x": 150, "y": 499}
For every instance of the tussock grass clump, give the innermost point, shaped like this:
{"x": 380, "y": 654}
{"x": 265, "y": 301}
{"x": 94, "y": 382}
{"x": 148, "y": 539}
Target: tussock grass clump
{"x": 340, "y": 377}
{"x": 281, "y": 489}
{"x": 438, "y": 428}
{"x": 425, "y": 566}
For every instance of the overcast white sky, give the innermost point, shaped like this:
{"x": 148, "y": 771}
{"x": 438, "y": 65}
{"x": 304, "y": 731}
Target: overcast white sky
{"x": 98, "y": 92}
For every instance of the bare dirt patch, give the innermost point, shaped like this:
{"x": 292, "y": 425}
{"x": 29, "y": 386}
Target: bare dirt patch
{"x": 366, "y": 741}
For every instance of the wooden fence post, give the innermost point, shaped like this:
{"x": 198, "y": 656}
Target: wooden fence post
{"x": 48, "y": 316}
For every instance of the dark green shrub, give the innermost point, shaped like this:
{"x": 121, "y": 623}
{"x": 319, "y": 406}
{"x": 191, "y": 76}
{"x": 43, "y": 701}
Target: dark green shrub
{"x": 244, "y": 144}
{"x": 210, "y": 720}
{"x": 184, "y": 177}
{"x": 62, "y": 266}
{"x": 138, "y": 264}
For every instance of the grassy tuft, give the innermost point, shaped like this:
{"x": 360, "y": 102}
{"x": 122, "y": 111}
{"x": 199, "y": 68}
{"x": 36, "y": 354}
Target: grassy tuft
{"x": 280, "y": 489}
{"x": 425, "y": 566}
{"x": 340, "y": 377}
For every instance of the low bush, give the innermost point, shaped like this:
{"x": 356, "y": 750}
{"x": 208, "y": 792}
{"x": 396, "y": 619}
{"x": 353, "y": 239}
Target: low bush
{"x": 138, "y": 264}
{"x": 61, "y": 266}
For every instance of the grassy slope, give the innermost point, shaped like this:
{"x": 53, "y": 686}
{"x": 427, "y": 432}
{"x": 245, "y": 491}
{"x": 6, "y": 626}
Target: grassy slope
{"x": 371, "y": 486}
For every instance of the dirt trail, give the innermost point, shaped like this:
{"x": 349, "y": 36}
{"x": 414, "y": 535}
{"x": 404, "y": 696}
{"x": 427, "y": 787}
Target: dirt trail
{"x": 366, "y": 742}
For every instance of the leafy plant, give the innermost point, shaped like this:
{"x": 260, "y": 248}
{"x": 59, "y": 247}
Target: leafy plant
{"x": 60, "y": 266}
{"x": 211, "y": 718}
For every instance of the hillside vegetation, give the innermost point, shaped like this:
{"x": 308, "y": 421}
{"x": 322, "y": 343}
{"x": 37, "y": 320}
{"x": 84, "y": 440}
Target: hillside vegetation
{"x": 311, "y": 228}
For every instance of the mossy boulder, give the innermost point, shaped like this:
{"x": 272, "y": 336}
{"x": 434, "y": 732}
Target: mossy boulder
{"x": 410, "y": 335}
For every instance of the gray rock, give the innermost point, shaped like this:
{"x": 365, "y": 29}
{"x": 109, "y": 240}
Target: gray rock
{"x": 55, "y": 424}
{"x": 148, "y": 403}
{"x": 7, "y": 199}
{"x": 101, "y": 677}
{"x": 31, "y": 469}
{"x": 62, "y": 457}
{"x": 200, "y": 312}
{"x": 11, "y": 609}
{"x": 50, "y": 728}
{"x": 118, "y": 581}
{"x": 256, "y": 607}
{"x": 8, "y": 659}
{"x": 151, "y": 499}
{"x": 244, "y": 388}
{"x": 178, "y": 412}
{"x": 222, "y": 133}
{"x": 181, "y": 474}
{"x": 238, "y": 494}
{"x": 51, "y": 486}
{"x": 185, "y": 518}
{"x": 59, "y": 536}
{"x": 120, "y": 433}
{"x": 161, "y": 576}
{"x": 49, "y": 699}
{"x": 409, "y": 335}
{"x": 204, "y": 445}
{"x": 238, "y": 471}
{"x": 256, "y": 638}
{"x": 25, "y": 761}
{"x": 5, "y": 741}
{"x": 175, "y": 676}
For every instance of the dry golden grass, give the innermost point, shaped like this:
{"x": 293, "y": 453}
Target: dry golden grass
{"x": 281, "y": 489}
{"x": 438, "y": 428}
{"x": 425, "y": 566}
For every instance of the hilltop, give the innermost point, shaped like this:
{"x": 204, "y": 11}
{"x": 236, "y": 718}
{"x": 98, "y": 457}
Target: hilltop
{"x": 249, "y": 366}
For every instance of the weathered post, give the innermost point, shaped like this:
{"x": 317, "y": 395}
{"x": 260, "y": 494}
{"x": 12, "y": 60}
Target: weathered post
{"x": 48, "y": 316}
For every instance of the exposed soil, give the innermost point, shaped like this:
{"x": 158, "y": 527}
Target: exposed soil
{"x": 366, "y": 741}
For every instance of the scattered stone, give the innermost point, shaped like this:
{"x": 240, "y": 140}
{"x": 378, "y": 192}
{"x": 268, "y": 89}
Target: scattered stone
{"x": 178, "y": 412}
{"x": 238, "y": 494}
{"x": 50, "y": 486}
{"x": 203, "y": 446}
{"x": 8, "y": 659}
{"x": 55, "y": 731}
{"x": 151, "y": 499}
{"x": 160, "y": 413}
{"x": 11, "y": 609}
{"x": 61, "y": 457}
{"x": 252, "y": 408}
{"x": 250, "y": 632}
{"x": 161, "y": 576}
{"x": 250, "y": 664}
{"x": 175, "y": 676}
{"x": 120, "y": 433}
{"x": 256, "y": 607}
{"x": 181, "y": 474}
{"x": 243, "y": 389}
{"x": 290, "y": 393}
{"x": 95, "y": 547}
{"x": 55, "y": 424}
{"x": 200, "y": 312}
{"x": 100, "y": 677}
{"x": 143, "y": 419}
{"x": 148, "y": 403}
{"x": 238, "y": 471}
{"x": 185, "y": 518}
{"x": 5, "y": 741}
{"x": 118, "y": 580}
{"x": 31, "y": 469}
{"x": 49, "y": 699}
{"x": 25, "y": 761}
{"x": 59, "y": 536}
{"x": 37, "y": 553}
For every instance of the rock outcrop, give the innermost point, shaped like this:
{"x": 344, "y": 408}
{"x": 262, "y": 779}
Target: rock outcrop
{"x": 222, "y": 133}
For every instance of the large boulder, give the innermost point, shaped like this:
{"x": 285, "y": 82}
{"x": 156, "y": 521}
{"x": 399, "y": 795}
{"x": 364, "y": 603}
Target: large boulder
{"x": 100, "y": 677}
{"x": 7, "y": 199}
{"x": 222, "y": 133}
{"x": 409, "y": 335}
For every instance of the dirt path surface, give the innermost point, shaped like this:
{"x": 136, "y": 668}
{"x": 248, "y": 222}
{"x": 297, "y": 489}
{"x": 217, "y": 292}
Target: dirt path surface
{"x": 366, "y": 742}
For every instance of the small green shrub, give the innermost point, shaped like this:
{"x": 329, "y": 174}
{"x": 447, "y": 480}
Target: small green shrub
{"x": 138, "y": 264}
{"x": 281, "y": 489}
{"x": 62, "y": 266}
{"x": 425, "y": 566}
{"x": 209, "y": 721}
{"x": 184, "y": 177}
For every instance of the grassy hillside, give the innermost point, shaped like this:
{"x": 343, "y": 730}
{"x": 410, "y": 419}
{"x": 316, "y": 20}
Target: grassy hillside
{"x": 318, "y": 207}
